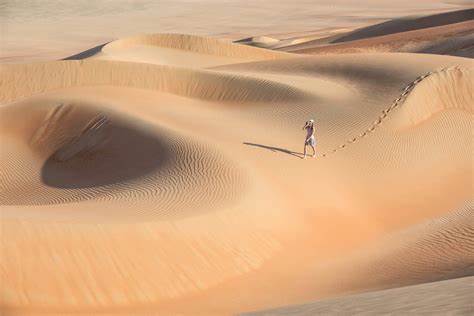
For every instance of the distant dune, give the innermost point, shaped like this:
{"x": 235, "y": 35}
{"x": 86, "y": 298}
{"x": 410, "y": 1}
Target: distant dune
{"x": 450, "y": 33}
{"x": 35, "y": 32}
{"x": 178, "y": 49}
{"x": 408, "y": 24}
{"x": 162, "y": 173}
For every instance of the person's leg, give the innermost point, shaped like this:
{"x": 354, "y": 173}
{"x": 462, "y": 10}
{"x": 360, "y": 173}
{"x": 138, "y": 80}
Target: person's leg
{"x": 314, "y": 151}
{"x": 304, "y": 151}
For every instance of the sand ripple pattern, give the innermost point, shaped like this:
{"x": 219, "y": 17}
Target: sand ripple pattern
{"x": 436, "y": 250}
{"x": 404, "y": 95}
{"x": 141, "y": 171}
{"x": 23, "y": 80}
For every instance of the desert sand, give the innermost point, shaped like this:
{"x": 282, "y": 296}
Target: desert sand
{"x": 162, "y": 173}
{"x": 423, "y": 299}
{"x": 448, "y": 33}
{"x": 53, "y": 29}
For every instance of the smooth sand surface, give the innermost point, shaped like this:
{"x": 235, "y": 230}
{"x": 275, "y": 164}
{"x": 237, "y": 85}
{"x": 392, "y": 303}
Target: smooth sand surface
{"x": 453, "y": 297}
{"x": 162, "y": 174}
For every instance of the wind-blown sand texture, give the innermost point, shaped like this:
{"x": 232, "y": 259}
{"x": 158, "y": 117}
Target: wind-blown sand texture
{"x": 163, "y": 174}
{"x": 450, "y": 33}
{"x": 425, "y": 299}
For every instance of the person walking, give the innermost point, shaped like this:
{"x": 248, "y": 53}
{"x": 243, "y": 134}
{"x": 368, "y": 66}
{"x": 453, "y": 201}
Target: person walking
{"x": 310, "y": 140}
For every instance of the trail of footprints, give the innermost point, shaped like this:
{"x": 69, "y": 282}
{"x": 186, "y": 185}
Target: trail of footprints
{"x": 385, "y": 112}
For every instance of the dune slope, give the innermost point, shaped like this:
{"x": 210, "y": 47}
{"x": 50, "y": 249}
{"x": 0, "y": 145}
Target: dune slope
{"x": 445, "y": 297}
{"x": 449, "y": 33}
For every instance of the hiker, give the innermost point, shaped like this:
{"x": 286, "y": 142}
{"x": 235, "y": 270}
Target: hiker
{"x": 310, "y": 140}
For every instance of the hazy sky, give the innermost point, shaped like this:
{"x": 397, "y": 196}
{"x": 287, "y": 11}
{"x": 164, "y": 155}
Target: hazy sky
{"x": 35, "y": 30}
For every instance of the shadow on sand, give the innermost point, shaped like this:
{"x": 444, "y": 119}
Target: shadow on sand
{"x": 276, "y": 149}
{"x": 87, "y": 53}
{"x": 128, "y": 153}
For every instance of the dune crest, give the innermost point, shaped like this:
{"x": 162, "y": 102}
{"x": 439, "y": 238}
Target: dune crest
{"x": 178, "y": 50}
{"x": 448, "y": 88}
{"x": 197, "y": 44}
{"x": 442, "y": 90}
{"x": 407, "y": 24}
{"x": 202, "y": 84}
{"x": 449, "y": 33}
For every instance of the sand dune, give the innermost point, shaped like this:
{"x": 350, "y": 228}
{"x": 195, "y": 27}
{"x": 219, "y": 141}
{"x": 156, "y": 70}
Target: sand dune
{"x": 202, "y": 84}
{"x": 52, "y": 30}
{"x": 196, "y": 44}
{"x": 260, "y": 41}
{"x": 448, "y": 33}
{"x": 179, "y": 50}
{"x": 445, "y": 297}
{"x": 408, "y": 24}
{"x": 446, "y": 89}
{"x": 81, "y": 154}
{"x": 454, "y": 39}
{"x": 162, "y": 174}
{"x": 437, "y": 249}
{"x": 443, "y": 246}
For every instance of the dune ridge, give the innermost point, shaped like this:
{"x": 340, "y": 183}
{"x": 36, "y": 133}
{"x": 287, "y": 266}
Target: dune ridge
{"x": 203, "y": 84}
{"x": 197, "y": 44}
{"x": 452, "y": 39}
{"x": 408, "y": 24}
{"x": 449, "y": 87}
{"x": 448, "y": 33}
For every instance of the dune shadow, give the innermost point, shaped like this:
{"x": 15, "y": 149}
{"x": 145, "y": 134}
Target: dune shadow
{"x": 127, "y": 154}
{"x": 276, "y": 149}
{"x": 87, "y": 53}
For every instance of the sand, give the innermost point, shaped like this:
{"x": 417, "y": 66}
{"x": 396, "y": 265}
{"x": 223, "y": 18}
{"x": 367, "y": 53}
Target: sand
{"x": 33, "y": 31}
{"x": 432, "y": 298}
{"x": 162, "y": 173}
{"x": 450, "y": 33}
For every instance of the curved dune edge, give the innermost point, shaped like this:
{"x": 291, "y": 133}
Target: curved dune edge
{"x": 407, "y": 24}
{"x": 449, "y": 33}
{"x": 76, "y": 152}
{"x": 367, "y": 74}
{"x": 431, "y": 93}
{"x": 453, "y": 39}
{"x": 24, "y": 80}
{"x": 442, "y": 90}
{"x": 441, "y": 298}
{"x": 259, "y": 41}
{"x": 190, "y": 43}
{"x": 438, "y": 249}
